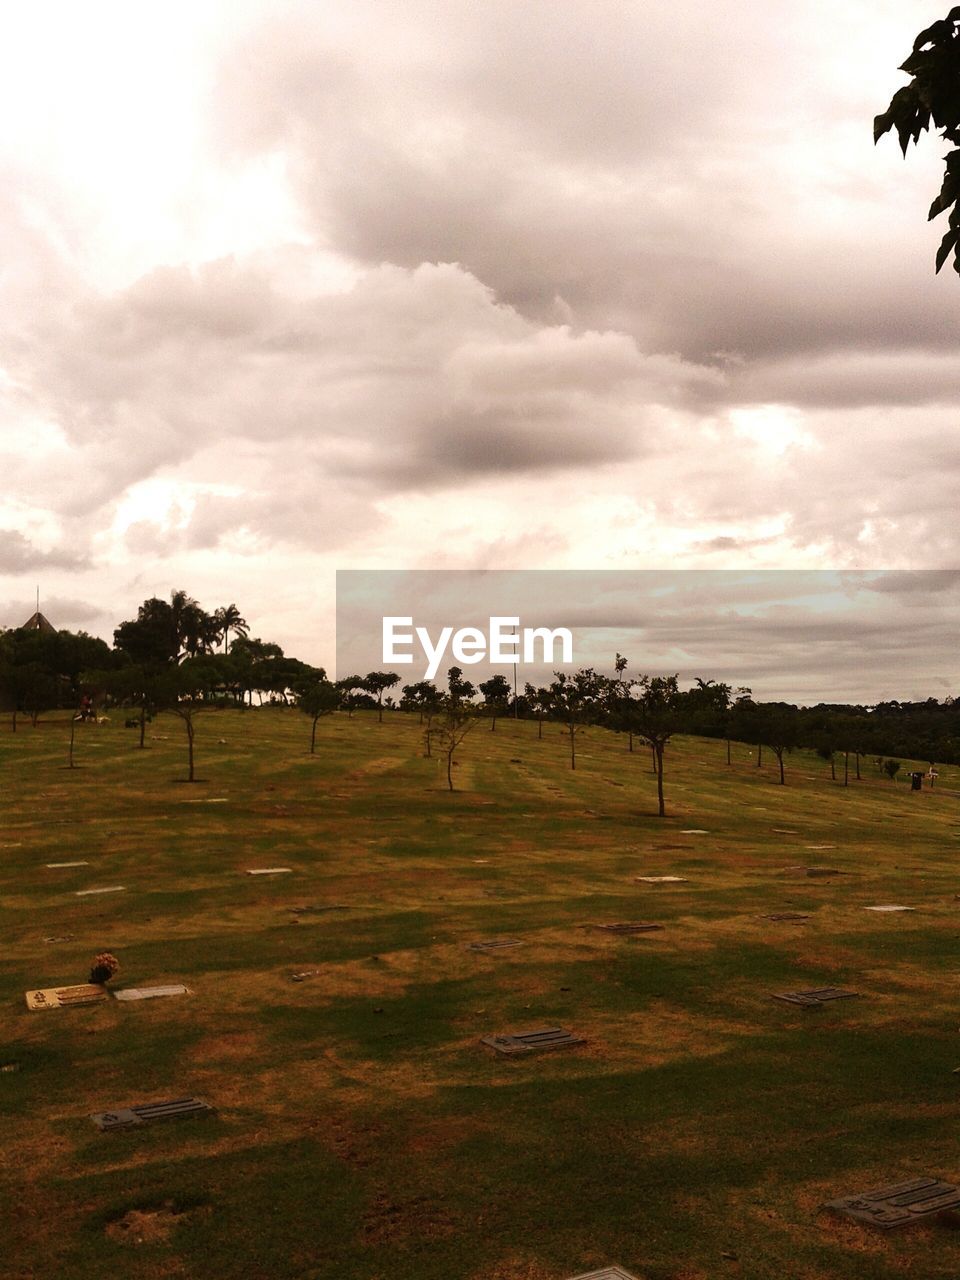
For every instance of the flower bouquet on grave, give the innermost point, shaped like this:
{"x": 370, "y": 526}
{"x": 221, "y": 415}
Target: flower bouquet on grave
{"x": 105, "y": 966}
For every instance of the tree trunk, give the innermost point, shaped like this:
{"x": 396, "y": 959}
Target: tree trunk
{"x": 658, "y": 757}
{"x": 539, "y": 726}
{"x": 783, "y": 780}
{"x": 73, "y": 730}
{"x": 728, "y": 751}
{"x": 857, "y": 762}
{"x": 493, "y": 725}
{"x": 759, "y": 754}
{"x": 450, "y": 768}
{"x": 833, "y": 767}
{"x": 573, "y": 749}
{"x": 313, "y": 736}
{"x": 653, "y": 758}
{"x": 143, "y": 723}
{"x": 846, "y": 768}
{"x": 629, "y": 739}
{"x": 14, "y": 721}
{"x": 189, "y": 725}
{"x": 380, "y": 710}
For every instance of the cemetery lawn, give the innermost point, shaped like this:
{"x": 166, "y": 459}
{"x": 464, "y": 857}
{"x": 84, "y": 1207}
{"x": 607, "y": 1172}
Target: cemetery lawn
{"x": 362, "y": 1132}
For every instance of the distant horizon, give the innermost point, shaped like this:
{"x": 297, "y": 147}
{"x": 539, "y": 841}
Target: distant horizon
{"x": 798, "y": 637}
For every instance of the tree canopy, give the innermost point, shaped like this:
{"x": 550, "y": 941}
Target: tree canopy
{"x": 933, "y": 96}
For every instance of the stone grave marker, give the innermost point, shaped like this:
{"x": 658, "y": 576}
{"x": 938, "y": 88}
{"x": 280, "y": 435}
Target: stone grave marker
{"x": 662, "y": 879}
{"x": 819, "y": 846}
{"x": 900, "y": 1204}
{"x": 605, "y": 1273}
{"x": 149, "y": 993}
{"x": 694, "y": 831}
{"x": 151, "y": 1113}
{"x": 816, "y": 998}
{"x": 312, "y": 909}
{"x": 516, "y": 1044}
{"x": 269, "y": 871}
{"x": 784, "y": 831}
{"x": 814, "y": 872}
{"x": 113, "y": 888}
{"x": 68, "y": 864}
{"x": 62, "y": 997}
{"x": 60, "y": 937}
{"x": 625, "y": 927}
{"x": 890, "y": 906}
{"x": 494, "y": 944}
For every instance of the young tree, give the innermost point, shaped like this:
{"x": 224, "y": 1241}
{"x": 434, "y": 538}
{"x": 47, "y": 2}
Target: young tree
{"x": 577, "y": 700}
{"x": 780, "y": 731}
{"x": 891, "y": 768}
{"x": 377, "y": 682}
{"x": 933, "y": 95}
{"x": 318, "y": 697}
{"x": 417, "y": 697}
{"x": 496, "y": 697}
{"x": 188, "y": 689}
{"x": 449, "y": 726}
{"x": 458, "y": 689}
{"x": 622, "y": 689}
{"x": 538, "y": 701}
{"x": 654, "y": 716}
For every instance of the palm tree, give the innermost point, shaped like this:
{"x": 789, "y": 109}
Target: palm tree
{"x": 228, "y": 619}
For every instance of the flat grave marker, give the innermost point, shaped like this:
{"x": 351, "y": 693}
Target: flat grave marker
{"x": 784, "y": 831}
{"x": 815, "y": 998}
{"x": 900, "y": 1204}
{"x": 149, "y": 993}
{"x": 269, "y": 871}
{"x": 112, "y": 888}
{"x": 625, "y": 927}
{"x": 662, "y": 879}
{"x": 792, "y": 916}
{"x": 517, "y": 1044}
{"x": 494, "y": 944}
{"x": 68, "y": 864}
{"x": 62, "y": 997}
{"x": 60, "y": 937}
{"x": 819, "y": 846}
{"x": 151, "y": 1113}
{"x": 890, "y": 906}
{"x": 694, "y": 831}
{"x": 813, "y": 872}
{"x": 605, "y": 1273}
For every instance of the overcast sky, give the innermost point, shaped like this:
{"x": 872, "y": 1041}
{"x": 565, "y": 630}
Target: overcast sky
{"x": 590, "y": 284}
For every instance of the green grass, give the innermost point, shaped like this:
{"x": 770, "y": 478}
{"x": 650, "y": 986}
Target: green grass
{"x": 361, "y": 1129}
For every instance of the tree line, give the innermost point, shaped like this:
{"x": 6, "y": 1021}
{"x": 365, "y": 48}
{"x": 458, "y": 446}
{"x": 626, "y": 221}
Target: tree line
{"x": 176, "y": 656}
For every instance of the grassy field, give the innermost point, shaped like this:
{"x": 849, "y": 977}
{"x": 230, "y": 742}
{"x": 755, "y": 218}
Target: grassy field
{"x": 362, "y": 1132}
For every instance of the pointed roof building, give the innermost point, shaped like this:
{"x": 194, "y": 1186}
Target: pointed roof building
{"x": 39, "y": 623}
